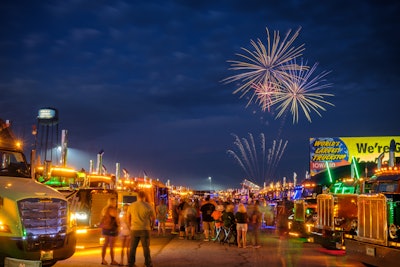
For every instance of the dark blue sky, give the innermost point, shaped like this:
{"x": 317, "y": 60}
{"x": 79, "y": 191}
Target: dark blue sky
{"x": 142, "y": 79}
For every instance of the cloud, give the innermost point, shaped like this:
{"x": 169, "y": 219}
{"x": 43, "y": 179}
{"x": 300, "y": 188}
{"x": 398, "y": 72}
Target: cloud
{"x": 143, "y": 80}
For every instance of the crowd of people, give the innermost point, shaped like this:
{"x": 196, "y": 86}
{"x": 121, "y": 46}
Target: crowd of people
{"x": 214, "y": 219}
{"x": 192, "y": 219}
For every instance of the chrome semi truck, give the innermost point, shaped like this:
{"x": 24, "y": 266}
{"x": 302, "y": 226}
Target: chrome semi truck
{"x": 376, "y": 240}
{"x": 35, "y": 223}
{"x": 336, "y": 217}
{"x": 302, "y": 221}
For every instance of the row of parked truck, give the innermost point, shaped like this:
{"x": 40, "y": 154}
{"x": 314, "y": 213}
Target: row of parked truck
{"x": 363, "y": 219}
{"x": 43, "y": 210}
{"x": 38, "y": 223}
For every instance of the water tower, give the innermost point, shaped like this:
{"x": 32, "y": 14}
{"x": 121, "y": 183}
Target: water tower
{"x": 47, "y": 133}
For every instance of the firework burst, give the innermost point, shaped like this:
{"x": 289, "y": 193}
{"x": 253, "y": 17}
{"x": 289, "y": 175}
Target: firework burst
{"x": 275, "y": 80}
{"x": 265, "y": 65}
{"x": 258, "y": 162}
{"x": 265, "y": 94}
{"x": 299, "y": 93}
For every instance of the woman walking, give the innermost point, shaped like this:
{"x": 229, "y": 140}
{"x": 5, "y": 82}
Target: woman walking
{"x": 241, "y": 225}
{"x": 255, "y": 225}
{"x": 109, "y": 228}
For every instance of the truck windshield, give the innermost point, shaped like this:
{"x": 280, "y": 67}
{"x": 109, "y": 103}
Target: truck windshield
{"x": 13, "y": 164}
{"x": 387, "y": 187}
{"x": 384, "y": 187}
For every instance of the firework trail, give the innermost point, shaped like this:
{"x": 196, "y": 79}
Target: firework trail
{"x": 242, "y": 157}
{"x": 251, "y": 162}
{"x": 275, "y": 155}
{"x": 258, "y": 166}
{"x": 262, "y": 137}
{"x": 273, "y": 78}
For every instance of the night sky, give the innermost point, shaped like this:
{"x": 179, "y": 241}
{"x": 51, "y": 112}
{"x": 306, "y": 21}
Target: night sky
{"x": 142, "y": 80}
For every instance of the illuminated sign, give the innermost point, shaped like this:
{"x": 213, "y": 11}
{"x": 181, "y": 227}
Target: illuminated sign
{"x": 339, "y": 151}
{"x": 48, "y": 116}
{"x": 47, "y": 113}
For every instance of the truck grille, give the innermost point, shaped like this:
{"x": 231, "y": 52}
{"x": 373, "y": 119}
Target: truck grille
{"x": 44, "y": 221}
{"x": 325, "y": 211}
{"x": 372, "y": 225}
{"x": 337, "y": 212}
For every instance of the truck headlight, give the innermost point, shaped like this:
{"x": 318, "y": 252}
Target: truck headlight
{"x": 81, "y": 216}
{"x": 4, "y": 228}
{"x": 393, "y": 231}
{"x": 353, "y": 225}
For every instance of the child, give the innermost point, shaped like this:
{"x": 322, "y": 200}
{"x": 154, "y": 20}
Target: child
{"x": 125, "y": 233}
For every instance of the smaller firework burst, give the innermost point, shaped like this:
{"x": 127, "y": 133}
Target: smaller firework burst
{"x": 265, "y": 94}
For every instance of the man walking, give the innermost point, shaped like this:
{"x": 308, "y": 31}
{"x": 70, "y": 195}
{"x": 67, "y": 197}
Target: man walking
{"x": 141, "y": 217}
{"x": 206, "y": 210}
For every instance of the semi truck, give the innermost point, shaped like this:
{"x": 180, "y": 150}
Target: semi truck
{"x": 376, "y": 240}
{"x": 336, "y": 217}
{"x": 35, "y": 221}
{"x": 302, "y": 221}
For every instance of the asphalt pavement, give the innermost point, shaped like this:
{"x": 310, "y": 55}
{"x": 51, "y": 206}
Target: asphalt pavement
{"x": 170, "y": 251}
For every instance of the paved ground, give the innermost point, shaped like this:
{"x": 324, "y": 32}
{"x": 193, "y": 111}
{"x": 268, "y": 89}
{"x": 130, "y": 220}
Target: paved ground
{"x": 170, "y": 251}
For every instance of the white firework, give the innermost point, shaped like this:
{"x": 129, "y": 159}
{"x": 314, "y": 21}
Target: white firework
{"x": 259, "y": 163}
{"x": 300, "y": 93}
{"x": 276, "y": 81}
{"x": 265, "y": 64}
